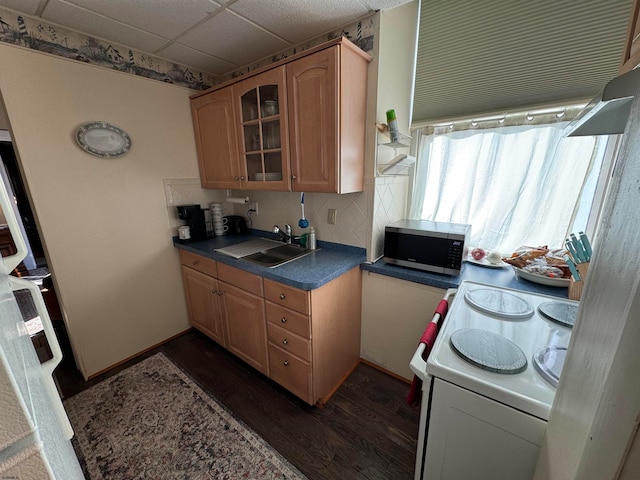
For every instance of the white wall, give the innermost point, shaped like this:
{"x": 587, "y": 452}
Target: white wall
{"x": 396, "y": 67}
{"x": 104, "y": 222}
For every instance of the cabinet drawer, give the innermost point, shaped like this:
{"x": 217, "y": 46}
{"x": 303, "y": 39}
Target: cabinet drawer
{"x": 290, "y": 372}
{"x": 287, "y": 296}
{"x": 292, "y": 321}
{"x": 198, "y": 262}
{"x": 289, "y": 341}
{"x": 241, "y": 279}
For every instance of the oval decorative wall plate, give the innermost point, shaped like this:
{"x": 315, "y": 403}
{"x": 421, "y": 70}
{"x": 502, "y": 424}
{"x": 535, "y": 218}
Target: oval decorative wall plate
{"x": 103, "y": 139}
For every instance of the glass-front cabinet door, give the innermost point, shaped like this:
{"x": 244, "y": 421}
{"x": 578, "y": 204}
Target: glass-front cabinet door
{"x": 262, "y": 141}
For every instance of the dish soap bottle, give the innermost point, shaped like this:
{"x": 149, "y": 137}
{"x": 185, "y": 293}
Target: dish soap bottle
{"x": 311, "y": 239}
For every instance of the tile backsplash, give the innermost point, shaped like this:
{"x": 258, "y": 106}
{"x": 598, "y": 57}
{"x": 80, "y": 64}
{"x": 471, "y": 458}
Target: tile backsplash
{"x": 389, "y": 205}
{"x": 278, "y": 208}
{"x": 355, "y": 224}
{"x": 187, "y": 191}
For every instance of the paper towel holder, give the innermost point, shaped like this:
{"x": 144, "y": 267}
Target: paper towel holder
{"x": 241, "y": 200}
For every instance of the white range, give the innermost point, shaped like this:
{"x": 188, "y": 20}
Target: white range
{"x": 489, "y": 383}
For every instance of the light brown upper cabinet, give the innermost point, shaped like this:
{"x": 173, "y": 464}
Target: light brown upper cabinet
{"x": 327, "y": 108}
{"x": 631, "y": 54}
{"x": 216, "y": 144}
{"x": 261, "y": 112}
{"x": 295, "y": 125}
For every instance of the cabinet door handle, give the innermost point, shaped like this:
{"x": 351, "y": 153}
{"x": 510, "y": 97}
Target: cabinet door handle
{"x": 283, "y": 319}
{"x": 282, "y": 296}
{"x": 286, "y": 363}
{"x": 285, "y": 341}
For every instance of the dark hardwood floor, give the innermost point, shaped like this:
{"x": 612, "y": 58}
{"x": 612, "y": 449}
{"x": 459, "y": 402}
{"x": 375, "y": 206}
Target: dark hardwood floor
{"x": 366, "y": 431}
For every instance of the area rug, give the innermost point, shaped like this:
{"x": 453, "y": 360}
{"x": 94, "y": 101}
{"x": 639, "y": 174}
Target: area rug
{"x": 151, "y": 421}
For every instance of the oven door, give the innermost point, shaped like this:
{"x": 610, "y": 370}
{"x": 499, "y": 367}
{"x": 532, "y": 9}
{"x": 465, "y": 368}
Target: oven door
{"x": 418, "y": 366}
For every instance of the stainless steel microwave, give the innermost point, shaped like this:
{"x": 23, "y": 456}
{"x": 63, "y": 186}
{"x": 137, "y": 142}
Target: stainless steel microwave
{"x": 438, "y": 247}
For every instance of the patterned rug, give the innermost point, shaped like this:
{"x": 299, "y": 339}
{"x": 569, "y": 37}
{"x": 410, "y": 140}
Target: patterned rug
{"x": 151, "y": 421}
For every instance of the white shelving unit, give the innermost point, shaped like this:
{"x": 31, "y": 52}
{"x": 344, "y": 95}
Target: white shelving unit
{"x": 401, "y": 161}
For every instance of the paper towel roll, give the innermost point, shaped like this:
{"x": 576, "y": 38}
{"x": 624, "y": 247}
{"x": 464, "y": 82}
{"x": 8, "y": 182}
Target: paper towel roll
{"x": 238, "y": 200}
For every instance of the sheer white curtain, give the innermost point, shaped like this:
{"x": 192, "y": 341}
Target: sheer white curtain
{"x": 516, "y": 185}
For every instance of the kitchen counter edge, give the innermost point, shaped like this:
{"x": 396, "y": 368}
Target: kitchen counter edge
{"x": 500, "y": 277}
{"x": 312, "y": 271}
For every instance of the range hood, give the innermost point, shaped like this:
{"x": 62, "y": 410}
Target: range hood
{"x": 608, "y": 112}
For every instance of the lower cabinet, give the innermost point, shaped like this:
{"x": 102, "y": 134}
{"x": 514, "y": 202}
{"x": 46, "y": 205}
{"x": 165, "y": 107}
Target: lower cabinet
{"x": 203, "y": 303}
{"x": 306, "y": 341}
{"x": 246, "y": 327}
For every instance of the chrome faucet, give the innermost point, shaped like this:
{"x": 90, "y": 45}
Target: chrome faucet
{"x": 284, "y": 236}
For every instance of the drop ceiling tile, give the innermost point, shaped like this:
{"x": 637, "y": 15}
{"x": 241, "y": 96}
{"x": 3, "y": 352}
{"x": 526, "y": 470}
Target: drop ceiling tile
{"x": 83, "y": 21}
{"x": 30, "y": 7}
{"x": 231, "y": 38}
{"x": 165, "y": 18}
{"x": 201, "y": 61}
{"x": 296, "y": 20}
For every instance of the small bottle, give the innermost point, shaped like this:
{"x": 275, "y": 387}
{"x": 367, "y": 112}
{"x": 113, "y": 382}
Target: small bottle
{"x": 393, "y": 126}
{"x": 311, "y": 239}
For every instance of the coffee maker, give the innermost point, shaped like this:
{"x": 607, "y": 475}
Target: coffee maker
{"x": 193, "y": 216}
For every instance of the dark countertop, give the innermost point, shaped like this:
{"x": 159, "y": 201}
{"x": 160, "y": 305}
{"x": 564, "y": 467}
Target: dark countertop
{"x": 502, "y": 277}
{"x": 332, "y": 260}
{"x": 306, "y": 273}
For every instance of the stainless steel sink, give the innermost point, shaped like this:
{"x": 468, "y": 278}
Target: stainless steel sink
{"x": 275, "y": 256}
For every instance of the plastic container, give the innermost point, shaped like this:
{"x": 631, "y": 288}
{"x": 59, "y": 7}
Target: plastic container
{"x": 311, "y": 239}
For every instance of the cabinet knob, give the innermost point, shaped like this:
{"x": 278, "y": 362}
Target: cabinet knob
{"x": 283, "y": 319}
{"x": 242, "y": 177}
{"x": 286, "y": 363}
{"x": 236, "y": 178}
{"x": 220, "y": 292}
{"x": 195, "y": 262}
{"x": 293, "y": 177}
{"x": 282, "y": 296}
{"x": 285, "y": 341}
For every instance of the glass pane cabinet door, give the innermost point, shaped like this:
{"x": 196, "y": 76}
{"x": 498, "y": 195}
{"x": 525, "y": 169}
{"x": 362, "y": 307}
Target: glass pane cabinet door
{"x": 262, "y": 119}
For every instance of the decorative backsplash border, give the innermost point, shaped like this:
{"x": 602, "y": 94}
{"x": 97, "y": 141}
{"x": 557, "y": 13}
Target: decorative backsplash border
{"x": 31, "y": 32}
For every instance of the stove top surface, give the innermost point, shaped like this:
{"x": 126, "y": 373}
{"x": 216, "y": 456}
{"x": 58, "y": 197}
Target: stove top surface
{"x": 515, "y": 316}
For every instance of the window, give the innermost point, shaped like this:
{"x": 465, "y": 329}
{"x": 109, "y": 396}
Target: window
{"x": 517, "y": 182}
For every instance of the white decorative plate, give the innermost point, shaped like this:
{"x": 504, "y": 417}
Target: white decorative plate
{"x": 103, "y": 139}
{"x": 486, "y": 263}
{"x": 541, "y": 279}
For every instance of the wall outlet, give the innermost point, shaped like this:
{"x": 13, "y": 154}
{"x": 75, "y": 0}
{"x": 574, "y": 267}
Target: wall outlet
{"x": 331, "y": 216}
{"x": 254, "y": 206}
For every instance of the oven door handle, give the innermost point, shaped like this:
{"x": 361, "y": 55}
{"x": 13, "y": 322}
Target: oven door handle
{"x": 418, "y": 364}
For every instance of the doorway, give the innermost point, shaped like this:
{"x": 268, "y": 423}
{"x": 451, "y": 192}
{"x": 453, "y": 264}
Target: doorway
{"x": 35, "y": 266}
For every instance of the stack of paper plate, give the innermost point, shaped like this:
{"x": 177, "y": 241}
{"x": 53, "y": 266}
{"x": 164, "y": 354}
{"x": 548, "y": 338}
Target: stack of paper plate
{"x": 269, "y": 177}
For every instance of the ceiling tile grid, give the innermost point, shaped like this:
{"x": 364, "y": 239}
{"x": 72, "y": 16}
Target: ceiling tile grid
{"x": 87, "y": 22}
{"x": 214, "y": 36}
{"x": 232, "y": 38}
{"x": 298, "y": 20}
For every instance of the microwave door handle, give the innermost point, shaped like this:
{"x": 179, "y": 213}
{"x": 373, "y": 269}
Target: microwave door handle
{"x": 12, "y": 261}
{"x": 48, "y": 366}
